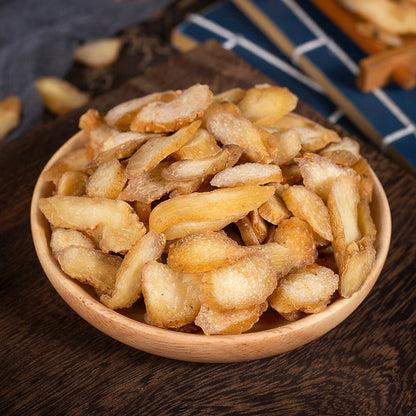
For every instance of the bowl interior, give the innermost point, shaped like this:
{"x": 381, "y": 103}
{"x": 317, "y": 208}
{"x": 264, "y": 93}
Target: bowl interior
{"x": 270, "y": 336}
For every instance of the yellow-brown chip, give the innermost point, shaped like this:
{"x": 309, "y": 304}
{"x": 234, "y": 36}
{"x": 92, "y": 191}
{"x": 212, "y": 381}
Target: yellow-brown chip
{"x": 10, "y": 112}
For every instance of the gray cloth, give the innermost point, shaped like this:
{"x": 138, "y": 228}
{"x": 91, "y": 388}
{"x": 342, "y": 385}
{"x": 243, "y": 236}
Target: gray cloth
{"x": 38, "y": 38}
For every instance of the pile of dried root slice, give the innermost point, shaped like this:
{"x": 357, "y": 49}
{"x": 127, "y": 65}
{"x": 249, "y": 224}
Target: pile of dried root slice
{"x": 212, "y": 209}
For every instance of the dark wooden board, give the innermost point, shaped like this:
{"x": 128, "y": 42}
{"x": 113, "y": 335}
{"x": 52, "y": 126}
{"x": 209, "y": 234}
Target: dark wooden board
{"x": 53, "y": 362}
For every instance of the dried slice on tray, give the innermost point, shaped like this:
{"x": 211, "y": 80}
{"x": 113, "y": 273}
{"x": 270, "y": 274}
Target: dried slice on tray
{"x": 160, "y": 116}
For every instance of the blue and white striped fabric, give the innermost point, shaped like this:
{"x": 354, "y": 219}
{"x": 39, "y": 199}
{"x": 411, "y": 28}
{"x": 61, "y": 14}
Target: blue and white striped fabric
{"x": 225, "y": 23}
{"x": 386, "y": 116}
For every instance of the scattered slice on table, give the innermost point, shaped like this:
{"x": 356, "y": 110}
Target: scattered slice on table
{"x": 99, "y": 53}
{"x": 10, "y": 113}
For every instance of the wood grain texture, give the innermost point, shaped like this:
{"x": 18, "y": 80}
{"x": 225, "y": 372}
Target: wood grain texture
{"x": 53, "y": 362}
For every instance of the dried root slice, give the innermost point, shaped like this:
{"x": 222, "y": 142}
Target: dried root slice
{"x": 216, "y": 106}
{"x": 158, "y": 148}
{"x": 365, "y": 221}
{"x": 171, "y": 301}
{"x": 72, "y": 183}
{"x": 10, "y": 113}
{"x": 124, "y": 137}
{"x": 308, "y": 290}
{"x": 128, "y": 282}
{"x": 319, "y": 173}
{"x": 259, "y": 226}
{"x": 151, "y": 186}
{"x": 256, "y": 143}
{"x": 181, "y": 229}
{"x": 363, "y": 169}
{"x": 99, "y": 53}
{"x": 160, "y": 116}
{"x": 189, "y": 169}
{"x": 114, "y": 221}
{"x": 122, "y": 114}
{"x": 266, "y": 104}
{"x": 233, "y": 95}
{"x": 343, "y": 210}
{"x": 274, "y": 210}
{"x": 201, "y": 145}
{"x": 357, "y": 262}
{"x": 90, "y": 266}
{"x": 107, "y": 181}
{"x": 204, "y": 251}
{"x": 298, "y": 236}
{"x": 248, "y": 235}
{"x": 209, "y": 206}
{"x": 72, "y": 161}
{"x": 280, "y": 256}
{"x": 316, "y": 138}
{"x": 59, "y": 96}
{"x": 247, "y": 174}
{"x": 62, "y": 238}
{"x": 291, "y": 174}
{"x": 288, "y": 145}
{"x": 229, "y": 322}
{"x": 308, "y": 206}
{"x": 243, "y": 284}
{"x": 346, "y": 152}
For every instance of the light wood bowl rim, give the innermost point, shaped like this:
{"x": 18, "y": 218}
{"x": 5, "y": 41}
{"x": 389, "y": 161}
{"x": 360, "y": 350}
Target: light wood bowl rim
{"x": 199, "y": 347}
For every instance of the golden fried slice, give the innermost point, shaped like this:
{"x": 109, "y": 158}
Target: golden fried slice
{"x": 127, "y": 286}
{"x": 228, "y": 322}
{"x": 72, "y": 161}
{"x": 365, "y": 221}
{"x": 151, "y": 186}
{"x": 204, "y": 251}
{"x": 319, "y": 173}
{"x": 10, "y": 113}
{"x": 208, "y": 206}
{"x": 160, "y": 116}
{"x": 243, "y": 284}
{"x": 90, "y": 266}
{"x": 99, "y": 53}
{"x": 297, "y": 235}
{"x": 185, "y": 170}
{"x": 308, "y": 290}
{"x": 72, "y": 183}
{"x": 202, "y": 144}
{"x": 171, "y": 301}
{"x": 357, "y": 262}
{"x": 280, "y": 256}
{"x": 288, "y": 145}
{"x": 122, "y": 114}
{"x": 233, "y": 95}
{"x": 181, "y": 229}
{"x": 266, "y": 104}
{"x": 62, "y": 238}
{"x": 114, "y": 221}
{"x": 257, "y": 143}
{"x": 343, "y": 209}
{"x": 247, "y": 233}
{"x": 259, "y": 225}
{"x": 123, "y": 137}
{"x": 274, "y": 210}
{"x": 363, "y": 168}
{"x": 291, "y": 174}
{"x": 107, "y": 181}
{"x": 316, "y": 138}
{"x": 308, "y": 206}
{"x": 346, "y": 152}
{"x": 247, "y": 174}
{"x": 158, "y": 148}
{"x": 215, "y": 106}
{"x": 59, "y": 96}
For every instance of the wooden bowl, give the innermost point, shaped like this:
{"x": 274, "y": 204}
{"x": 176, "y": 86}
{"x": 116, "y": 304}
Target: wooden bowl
{"x": 270, "y": 336}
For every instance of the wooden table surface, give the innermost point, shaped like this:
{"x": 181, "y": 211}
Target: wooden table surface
{"x": 53, "y": 362}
